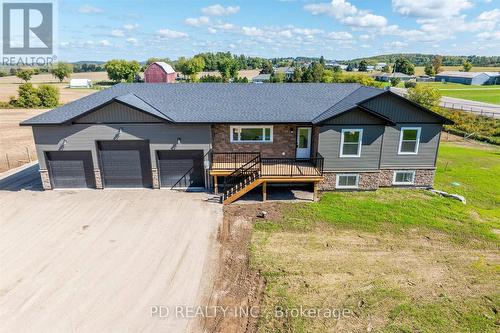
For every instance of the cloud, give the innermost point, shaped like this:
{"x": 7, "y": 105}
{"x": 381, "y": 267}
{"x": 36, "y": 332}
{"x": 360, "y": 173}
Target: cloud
{"x": 225, "y": 26}
{"x": 307, "y": 32}
{"x": 348, "y": 14}
{"x": 431, "y": 8}
{"x": 132, "y": 41}
{"x": 88, "y": 9}
{"x": 396, "y": 44}
{"x": 167, "y": 33}
{"x": 131, "y": 26}
{"x": 252, "y": 31}
{"x": 117, "y": 33}
{"x": 104, "y": 42}
{"x": 340, "y": 35}
{"x": 489, "y": 36}
{"x": 212, "y": 30}
{"x": 198, "y": 21}
{"x": 218, "y": 10}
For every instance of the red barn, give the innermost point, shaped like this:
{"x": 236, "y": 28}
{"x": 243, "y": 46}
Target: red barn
{"x": 159, "y": 72}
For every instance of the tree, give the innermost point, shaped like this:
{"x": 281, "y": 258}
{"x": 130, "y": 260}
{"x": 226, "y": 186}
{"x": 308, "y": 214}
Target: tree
{"x": 317, "y": 72}
{"x": 429, "y": 70}
{"x": 363, "y": 66}
{"x": 322, "y": 61}
{"x": 337, "y": 69}
{"x": 426, "y": 96}
{"x": 119, "y": 70}
{"x": 297, "y": 75}
{"x": 48, "y": 95}
{"x": 395, "y": 81}
{"x": 228, "y": 69}
{"x": 403, "y": 65}
{"x": 328, "y": 76}
{"x": 349, "y": 68}
{"x": 467, "y": 66}
{"x": 62, "y": 70}
{"x": 28, "y": 97}
{"x": 25, "y": 74}
{"x": 191, "y": 67}
{"x": 386, "y": 69}
{"x": 437, "y": 62}
{"x": 267, "y": 68}
{"x": 278, "y": 77}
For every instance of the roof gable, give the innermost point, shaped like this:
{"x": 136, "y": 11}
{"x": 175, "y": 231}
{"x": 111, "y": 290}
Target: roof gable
{"x": 117, "y": 112}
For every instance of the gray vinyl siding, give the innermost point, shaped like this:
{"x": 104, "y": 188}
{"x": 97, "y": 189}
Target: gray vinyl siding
{"x": 355, "y": 117}
{"x": 427, "y": 150}
{"x": 399, "y": 111}
{"x": 84, "y": 137}
{"x": 329, "y": 148}
{"x": 117, "y": 113}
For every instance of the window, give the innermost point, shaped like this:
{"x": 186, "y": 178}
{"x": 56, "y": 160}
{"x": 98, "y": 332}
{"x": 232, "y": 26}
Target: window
{"x": 347, "y": 180}
{"x": 404, "y": 178}
{"x": 350, "y": 142}
{"x": 251, "y": 134}
{"x": 409, "y": 140}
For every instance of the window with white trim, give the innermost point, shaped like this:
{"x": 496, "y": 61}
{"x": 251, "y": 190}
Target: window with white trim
{"x": 347, "y": 180}
{"x": 409, "y": 140}
{"x": 251, "y": 133}
{"x": 404, "y": 177}
{"x": 350, "y": 142}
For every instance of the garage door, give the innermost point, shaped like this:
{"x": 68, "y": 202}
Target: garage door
{"x": 70, "y": 169}
{"x": 174, "y": 164}
{"x": 125, "y": 163}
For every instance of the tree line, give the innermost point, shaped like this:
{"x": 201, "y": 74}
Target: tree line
{"x": 419, "y": 59}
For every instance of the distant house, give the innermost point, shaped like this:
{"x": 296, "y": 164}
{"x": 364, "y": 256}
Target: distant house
{"x": 261, "y": 78}
{"x": 288, "y": 71}
{"x": 159, "y": 72}
{"x": 471, "y": 78}
{"x": 380, "y": 65}
{"x": 386, "y": 77}
{"x": 80, "y": 83}
{"x": 370, "y": 68}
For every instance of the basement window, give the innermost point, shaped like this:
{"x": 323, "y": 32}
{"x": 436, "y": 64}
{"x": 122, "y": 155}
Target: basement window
{"x": 251, "y": 134}
{"x": 404, "y": 177}
{"x": 409, "y": 140}
{"x": 347, "y": 180}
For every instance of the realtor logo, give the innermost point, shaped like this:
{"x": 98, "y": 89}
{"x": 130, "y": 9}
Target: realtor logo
{"x": 27, "y": 28}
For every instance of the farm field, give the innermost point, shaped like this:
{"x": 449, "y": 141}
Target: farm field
{"x": 419, "y": 70}
{"x": 395, "y": 260}
{"x": 486, "y": 94}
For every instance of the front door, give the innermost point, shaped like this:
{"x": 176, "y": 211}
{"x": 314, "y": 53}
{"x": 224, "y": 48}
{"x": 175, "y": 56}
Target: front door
{"x": 304, "y": 142}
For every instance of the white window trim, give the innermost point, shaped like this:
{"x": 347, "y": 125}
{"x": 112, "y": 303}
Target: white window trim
{"x": 239, "y": 127}
{"x": 337, "y": 178}
{"x": 360, "y": 130}
{"x": 394, "y": 182}
{"x": 401, "y": 140}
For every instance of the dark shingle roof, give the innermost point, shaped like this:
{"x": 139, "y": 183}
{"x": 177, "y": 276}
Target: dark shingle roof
{"x": 221, "y": 103}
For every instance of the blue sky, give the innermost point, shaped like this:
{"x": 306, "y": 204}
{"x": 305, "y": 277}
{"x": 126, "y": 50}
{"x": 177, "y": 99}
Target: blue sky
{"x": 337, "y": 29}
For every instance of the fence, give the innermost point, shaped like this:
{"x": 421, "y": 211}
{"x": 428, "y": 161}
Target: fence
{"x": 473, "y": 109}
{"x": 14, "y": 159}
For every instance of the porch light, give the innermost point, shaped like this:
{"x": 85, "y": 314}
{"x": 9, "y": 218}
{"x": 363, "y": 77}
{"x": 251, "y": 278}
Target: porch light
{"x": 291, "y": 130}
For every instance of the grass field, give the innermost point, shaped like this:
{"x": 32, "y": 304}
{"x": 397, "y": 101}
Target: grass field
{"x": 397, "y": 260}
{"x": 487, "y": 94}
{"x": 419, "y": 70}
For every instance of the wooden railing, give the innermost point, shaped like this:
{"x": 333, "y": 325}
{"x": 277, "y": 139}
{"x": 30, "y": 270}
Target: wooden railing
{"x": 241, "y": 177}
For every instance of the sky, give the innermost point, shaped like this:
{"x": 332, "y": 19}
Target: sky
{"x": 336, "y": 29}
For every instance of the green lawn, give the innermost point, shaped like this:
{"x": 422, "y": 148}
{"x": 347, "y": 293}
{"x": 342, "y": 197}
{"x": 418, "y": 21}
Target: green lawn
{"x": 487, "y": 94}
{"x": 401, "y": 260}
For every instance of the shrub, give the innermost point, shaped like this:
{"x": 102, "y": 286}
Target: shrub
{"x": 48, "y": 95}
{"x": 395, "y": 81}
{"x": 210, "y": 78}
{"x": 410, "y": 84}
{"x": 25, "y": 74}
{"x": 426, "y": 96}
{"x": 28, "y": 97}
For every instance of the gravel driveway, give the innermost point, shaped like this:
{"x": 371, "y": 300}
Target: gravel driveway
{"x": 97, "y": 261}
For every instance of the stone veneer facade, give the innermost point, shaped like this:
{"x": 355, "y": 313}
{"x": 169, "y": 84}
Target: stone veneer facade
{"x": 46, "y": 184}
{"x": 283, "y": 145}
{"x": 374, "y": 180}
{"x": 98, "y": 179}
{"x": 156, "y": 180}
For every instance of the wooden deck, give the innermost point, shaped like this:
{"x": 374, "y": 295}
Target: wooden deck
{"x": 277, "y": 170}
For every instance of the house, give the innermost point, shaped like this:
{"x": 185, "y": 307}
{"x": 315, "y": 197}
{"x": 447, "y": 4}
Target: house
{"x": 159, "y": 72}
{"x": 386, "y": 77}
{"x": 288, "y": 71}
{"x": 80, "y": 83}
{"x": 471, "y": 78}
{"x": 380, "y": 65}
{"x": 261, "y": 78}
{"x": 370, "y": 68}
{"x": 235, "y": 137}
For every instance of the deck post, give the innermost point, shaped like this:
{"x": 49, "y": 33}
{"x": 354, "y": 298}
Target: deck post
{"x": 216, "y": 186}
{"x": 264, "y": 191}
{"x": 315, "y": 194}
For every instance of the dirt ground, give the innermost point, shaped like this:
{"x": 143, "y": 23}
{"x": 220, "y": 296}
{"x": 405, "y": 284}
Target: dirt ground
{"x": 10, "y": 84}
{"x": 99, "y": 261}
{"x": 368, "y": 274}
